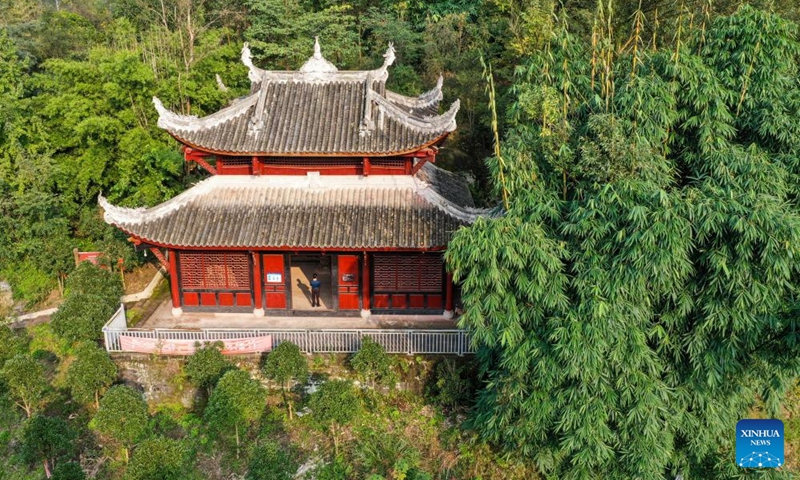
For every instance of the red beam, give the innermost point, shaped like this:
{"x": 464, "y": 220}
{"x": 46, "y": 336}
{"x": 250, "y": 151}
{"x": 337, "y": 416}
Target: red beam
{"x": 258, "y": 289}
{"x": 160, "y": 256}
{"x": 173, "y": 279}
{"x": 365, "y": 281}
{"x": 448, "y": 296}
{"x": 192, "y": 155}
{"x": 259, "y": 248}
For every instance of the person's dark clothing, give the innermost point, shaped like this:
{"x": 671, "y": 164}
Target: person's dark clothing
{"x": 315, "y": 286}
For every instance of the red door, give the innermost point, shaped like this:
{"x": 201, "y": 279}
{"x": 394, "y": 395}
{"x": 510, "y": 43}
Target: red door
{"x": 348, "y": 282}
{"x": 274, "y": 283}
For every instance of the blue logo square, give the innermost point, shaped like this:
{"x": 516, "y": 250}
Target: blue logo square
{"x": 759, "y": 443}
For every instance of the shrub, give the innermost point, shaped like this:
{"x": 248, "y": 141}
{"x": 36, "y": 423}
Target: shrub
{"x": 270, "y": 462}
{"x": 158, "y": 459}
{"x": 451, "y": 386}
{"x": 68, "y": 471}
{"x": 91, "y": 373}
{"x": 46, "y": 440}
{"x": 122, "y": 416}
{"x": 284, "y": 364}
{"x": 92, "y": 296}
{"x": 372, "y": 363}
{"x": 237, "y": 402}
{"x": 206, "y": 366}
{"x": 26, "y": 383}
{"x": 334, "y": 405}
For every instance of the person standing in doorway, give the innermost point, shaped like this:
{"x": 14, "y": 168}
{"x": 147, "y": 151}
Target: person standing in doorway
{"x": 315, "y": 286}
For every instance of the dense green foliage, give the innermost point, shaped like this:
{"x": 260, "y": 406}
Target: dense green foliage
{"x": 638, "y": 297}
{"x": 46, "y": 440}
{"x": 269, "y": 461}
{"x": 284, "y": 364}
{"x": 90, "y": 373}
{"x": 24, "y": 379}
{"x": 372, "y": 363}
{"x": 122, "y": 416}
{"x": 237, "y": 402}
{"x": 206, "y": 366}
{"x": 158, "y": 458}
{"x": 334, "y": 405}
{"x": 92, "y": 296}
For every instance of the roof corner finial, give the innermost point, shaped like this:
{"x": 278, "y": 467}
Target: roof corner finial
{"x": 160, "y": 108}
{"x": 247, "y": 60}
{"x": 440, "y": 81}
{"x": 317, "y": 49}
{"x": 389, "y": 55}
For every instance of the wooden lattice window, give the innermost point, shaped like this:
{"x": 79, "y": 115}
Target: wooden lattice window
{"x": 324, "y": 162}
{"x": 236, "y": 161}
{"x": 215, "y": 271}
{"x": 407, "y": 273}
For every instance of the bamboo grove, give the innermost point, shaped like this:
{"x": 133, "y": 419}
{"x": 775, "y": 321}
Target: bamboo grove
{"x": 638, "y": 297}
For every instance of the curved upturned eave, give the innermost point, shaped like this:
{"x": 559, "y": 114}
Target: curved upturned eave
{"x": 214, "y": 151}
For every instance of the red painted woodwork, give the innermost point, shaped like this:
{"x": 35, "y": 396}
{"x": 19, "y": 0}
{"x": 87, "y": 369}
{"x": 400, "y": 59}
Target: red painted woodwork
{"x": 199, "y": 157}
{"x": 434, "y": 301}
{"x": 215, "y": 271}
{"x": 208, "y": 299}
{"x": 416, "y": 301}
{"x": 234, "y": 166}
{"x": 348, "y": 282}
{"x": 191, "y": 299}
{"x": 255, "y": 166}
{"x": 407, "y": 273}
{"x": 365, "y": 282}
{"x": 160, "y": 256}
{"x": 448, "y": 303}
{"x": 275, "y": 291}
{"x": 380, "y": 300}
{"x": 173, "y": 279}
{"x": 258, "y": 290}
{"x": 244, "y": 300}
{"x": 407, "y": 166}
{"x": 366, "y": 166}
{"x": 399, "y": 301}
{"x": 225, "y": 299}
{"x": 295, "y": 249}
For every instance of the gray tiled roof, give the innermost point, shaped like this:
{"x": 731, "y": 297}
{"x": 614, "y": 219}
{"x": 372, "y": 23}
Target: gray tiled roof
{"x": 317, "y": 111}
{"x": 328, "y": 212}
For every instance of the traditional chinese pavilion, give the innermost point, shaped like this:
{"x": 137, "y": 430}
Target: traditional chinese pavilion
{"x": 314, "y": 172}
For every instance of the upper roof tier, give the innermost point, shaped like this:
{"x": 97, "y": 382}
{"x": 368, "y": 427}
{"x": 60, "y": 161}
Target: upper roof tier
{"x": 319, "y": 111}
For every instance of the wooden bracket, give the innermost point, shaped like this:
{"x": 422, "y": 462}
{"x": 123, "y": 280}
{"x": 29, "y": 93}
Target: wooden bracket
{"x": 191, "y": 155}
{"x": 161, "y": 258}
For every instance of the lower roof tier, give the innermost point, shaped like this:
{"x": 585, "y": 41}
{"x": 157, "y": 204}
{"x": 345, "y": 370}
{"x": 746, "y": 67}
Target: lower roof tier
{"x": 320, "y": 212}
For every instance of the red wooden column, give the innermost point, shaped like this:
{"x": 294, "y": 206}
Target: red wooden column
{"x": 365, "y": 292}
{"x": 448, "y": 296}
{"x": 365, "y": 171}
{"x": 177, "y": 311}
{"x": 258, "y": 292}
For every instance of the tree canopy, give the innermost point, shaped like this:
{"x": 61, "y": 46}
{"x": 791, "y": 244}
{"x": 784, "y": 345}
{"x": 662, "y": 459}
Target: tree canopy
{"x": 637, "y": 297}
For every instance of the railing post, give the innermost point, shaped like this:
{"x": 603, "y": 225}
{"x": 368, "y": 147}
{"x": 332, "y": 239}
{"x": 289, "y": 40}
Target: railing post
{"x": 410, "y": 344}
{"x": 460, "y": 344}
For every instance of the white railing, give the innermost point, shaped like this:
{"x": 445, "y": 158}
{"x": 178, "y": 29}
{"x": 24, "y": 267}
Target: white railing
{"x": 410, "y": 342}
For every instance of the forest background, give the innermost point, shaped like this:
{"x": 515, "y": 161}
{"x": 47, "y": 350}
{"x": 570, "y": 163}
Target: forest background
{"x": 639, "y": 294}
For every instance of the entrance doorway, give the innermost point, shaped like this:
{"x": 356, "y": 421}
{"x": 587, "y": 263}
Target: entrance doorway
{"x": 303, "y": 267}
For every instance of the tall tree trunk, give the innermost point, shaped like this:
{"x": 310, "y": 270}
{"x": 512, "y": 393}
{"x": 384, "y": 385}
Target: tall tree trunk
{"x": 236, "y": 427}
{"x": 97, "y": 399}
{"x": 335, "y": 440}
{"x": 47, "y": 472}
{"x": 127, "y": 455}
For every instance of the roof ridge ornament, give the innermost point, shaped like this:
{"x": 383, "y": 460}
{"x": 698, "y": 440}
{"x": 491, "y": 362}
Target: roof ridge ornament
{"x": 317, "y": 63}
{"x": 247, "y": 59}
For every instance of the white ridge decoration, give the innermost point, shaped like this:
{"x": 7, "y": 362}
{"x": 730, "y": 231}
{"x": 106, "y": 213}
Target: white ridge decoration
{"x": 317, "y": 63}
